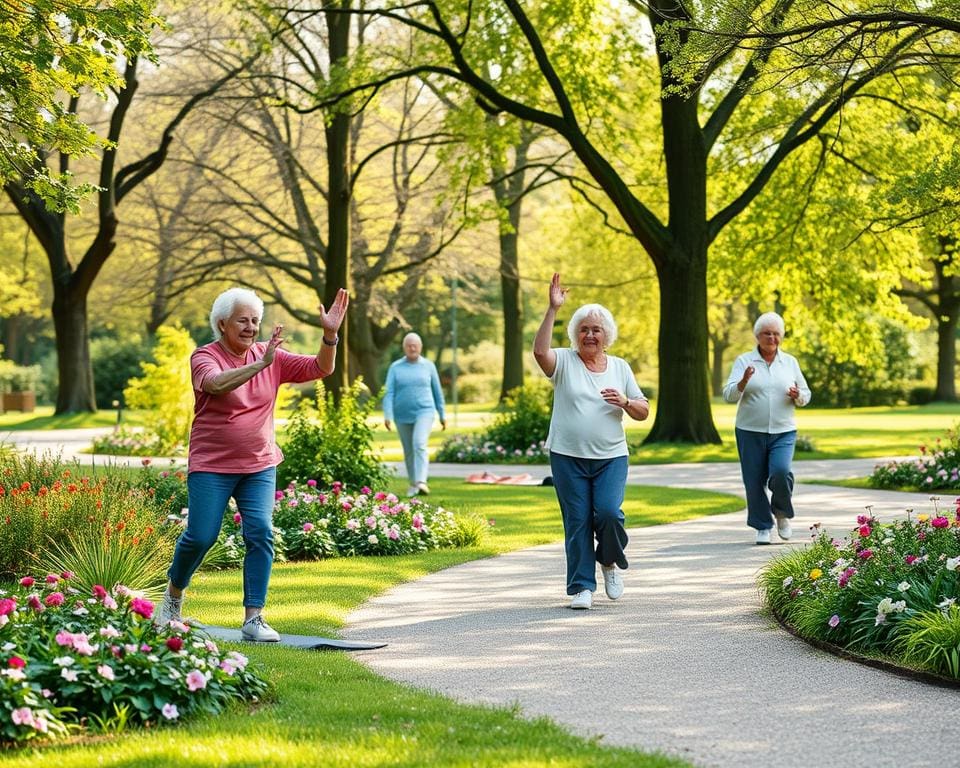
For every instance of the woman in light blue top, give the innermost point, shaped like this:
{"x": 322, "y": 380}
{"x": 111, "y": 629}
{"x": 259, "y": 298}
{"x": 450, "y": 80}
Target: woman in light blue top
{"x": 767, "y": 385}
{"x": 588, "y": 447}
{"x": 413, "y": 395}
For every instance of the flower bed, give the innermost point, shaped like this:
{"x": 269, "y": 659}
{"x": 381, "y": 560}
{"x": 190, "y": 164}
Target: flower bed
{"x": 477, "y": 449}
{"x": 312, "y": 524}
{"x": 74, "y": 662}
{"x": 938, "y": 469}
{"x": 887, "y": 589}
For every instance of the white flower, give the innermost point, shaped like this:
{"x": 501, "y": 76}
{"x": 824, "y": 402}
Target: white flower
{"x": 105, "y": 671}
{"x": 109, "y": 631}
{"x": 900, "y": 606}
{"x": 788, "y": 581}
{"x": 903, "y": 586}
{"x": 952, "y": 563}
{"x": 63, "y": 661}
{"x": 70, "y": 675}
{"x": 170, "y": 711}
{"x": 14, "y": 674}
{"x": 885, "y": 606}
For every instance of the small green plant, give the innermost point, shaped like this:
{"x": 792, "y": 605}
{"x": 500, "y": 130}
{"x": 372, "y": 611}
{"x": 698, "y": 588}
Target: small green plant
{"x": 931, "y": 639}
{"x": 332, "y": 442}
{"x": 165, "y": 391}
{"x": 805, "y": 444}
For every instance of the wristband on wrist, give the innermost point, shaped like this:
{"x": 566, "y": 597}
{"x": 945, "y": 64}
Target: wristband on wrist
{"x": 336, "y": 340}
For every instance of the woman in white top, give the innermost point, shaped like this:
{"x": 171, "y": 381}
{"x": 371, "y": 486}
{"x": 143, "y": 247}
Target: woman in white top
{"x": 768, "y": 386}
{"x": 588, "y": 447}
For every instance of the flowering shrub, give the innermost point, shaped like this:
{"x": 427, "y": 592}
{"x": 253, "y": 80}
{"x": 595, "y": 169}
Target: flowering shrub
{"x": 312, "y": 524}
{"x": 933, "y": 470}
{"x": 72, "y": 660}
{"x": 879, "y": 591}
{"x": 45, "y": 503}
{"x": 477, "y": 449}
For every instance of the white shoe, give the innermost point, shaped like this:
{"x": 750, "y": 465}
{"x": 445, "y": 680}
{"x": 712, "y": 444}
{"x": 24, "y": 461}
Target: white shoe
{"x": 582, "y": 600}
{"x": 169, "y": 610}
{"x": 612, "y": 581}
{"x": 423, "y": 489}
{"x": 412, "y": 491}
{"x": 259, "y": 631}
{"x": 763, "y": 537}
{"x": 784, "y": 531}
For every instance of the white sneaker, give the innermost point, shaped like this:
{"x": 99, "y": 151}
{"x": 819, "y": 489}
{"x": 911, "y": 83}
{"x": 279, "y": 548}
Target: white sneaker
{"x": 168, "y": 610}
{"x": 259, "y": 631}
{"x": 763, "y": 537}
{"x": 582, "y": 600}
{"x": 423, "y": 489}
{"x": 612, "y": 581}
{"x": 784, "y": 531}
{"x": 412, "y": 491}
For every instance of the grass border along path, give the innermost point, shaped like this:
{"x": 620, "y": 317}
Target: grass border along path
{"x": 329, "y": 710}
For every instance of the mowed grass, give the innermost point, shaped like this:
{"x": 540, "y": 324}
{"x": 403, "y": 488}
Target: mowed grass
{"x": 329, "y": 710}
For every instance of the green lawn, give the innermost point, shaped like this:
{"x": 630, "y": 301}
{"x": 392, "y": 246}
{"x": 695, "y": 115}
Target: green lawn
{"x": 329, "y": 710}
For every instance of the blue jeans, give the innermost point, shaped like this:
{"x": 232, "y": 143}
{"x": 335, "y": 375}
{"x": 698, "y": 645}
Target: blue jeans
{"x": 590, "y": 492}
{"x": 208, "y": 494}
{"x": 413, "y": 438}
{"x": 765, "y": 464}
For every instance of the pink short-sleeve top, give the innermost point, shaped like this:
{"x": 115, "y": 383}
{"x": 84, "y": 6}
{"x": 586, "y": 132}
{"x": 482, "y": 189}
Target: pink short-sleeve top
{"x": 233, "y": 433}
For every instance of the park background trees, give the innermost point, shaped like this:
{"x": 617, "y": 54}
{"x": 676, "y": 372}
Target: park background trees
{"x": 687, "y": 179}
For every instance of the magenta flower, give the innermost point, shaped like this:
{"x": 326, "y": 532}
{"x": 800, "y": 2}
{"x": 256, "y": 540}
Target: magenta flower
{"x": 910, "y": 559}
{"x": 27, "y": 581}
{"x": 347, "y": 506}
{"x": 34, "y": 602}
{"x": 54, "y": 599}
{"x": 834, "y": 621}
{"x": 864, "y": 530}
{"x": 865, "y": 554}
{"x": 862, "y": 519}
{"x": 379, "y": 496}
{"x": 312, "y": 483}
{"x": 67, "y": 575}
{"x": 307, "y": 527}
{"x": 940, "y": 522}
{"x": 142, "y": 607}
{"x": 52, "y": 578}
{"x": 7, "y": 606}
{"x": 278, "y": 495}
{"x": 99, "y": 592}
{"x": 366, "y": 490}
{"x": 16, "y": 663}
{"x": 393, "y": 534}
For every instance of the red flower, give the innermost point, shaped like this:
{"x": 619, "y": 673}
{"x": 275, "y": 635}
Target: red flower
{"x": 174, "y": 643}
{"x": 99, "y": 592}
{"x": 16, "y": 663}
{"x": 27, "y": 581}
{"x": 864, "y": 530}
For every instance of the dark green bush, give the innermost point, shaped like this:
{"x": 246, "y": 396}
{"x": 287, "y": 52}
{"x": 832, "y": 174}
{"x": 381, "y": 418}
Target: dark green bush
{"x": 115, "y": 362}
{"x": 332, "y": 443}
{"x": 526, "y": 418}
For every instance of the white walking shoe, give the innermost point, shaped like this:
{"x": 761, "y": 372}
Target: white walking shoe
{"x": 784, "y": 531}
{"x": 259, "y": 631}
{"x": 582, "y": 601}
{"x": 423, "y": 489}
{"x": 763, "y": 537}
{"x": 169, "y": 610}
{"x": 612, "y": 581}
{"x": 412, "y": 491}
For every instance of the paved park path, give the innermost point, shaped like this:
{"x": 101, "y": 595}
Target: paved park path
{"x": 685, "y": 662}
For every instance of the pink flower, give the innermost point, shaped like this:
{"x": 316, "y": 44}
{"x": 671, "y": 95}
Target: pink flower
{"x": 352, "y": 524}
{"x": 237, "y": 518}
{"x": 862, "y": 519}
{"x": 27, "y": 581}
{"x": 142, "y": 607}
{"x": 380, "y": 496}
{"x": 52, "y": 578}
{"x": 834, "y": 621}
{"x": 366, "y": 490}
{"x": 196, "y": 680}
{"x": 145, "y": 462}
{"x": 347, "y": 506}
{"x": 940, "y": 522}
{"x": 312, "y": 483}
{"x": 322, "y": 498}
{"x": 371, "y": 522}
{"x": 34, "y": 602}
{"x": 910, "y": 559}
{"x": 7, "y": 606}
{"x": 22, "y": 716}
{"x": 54, "y": 599}
{"x": 106, "y": 672}
{"x": 67, "y": 575}
{"x": 64, "y": 638}
{"x": 864, "y": 530}
{"x": 865, "y": 554}
{"x": 278, "y": 495}
{"x": 307, "y": 527}
{"x": 99, "y": 592}
{"x": 170, "y": 711}
{"x": 109, "y": 603}
{"x": 16, "y": 663}
{"x": 393, "y": 534}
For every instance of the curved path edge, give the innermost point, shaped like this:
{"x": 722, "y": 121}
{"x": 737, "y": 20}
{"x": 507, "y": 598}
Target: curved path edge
{"x": 686, "y": 663}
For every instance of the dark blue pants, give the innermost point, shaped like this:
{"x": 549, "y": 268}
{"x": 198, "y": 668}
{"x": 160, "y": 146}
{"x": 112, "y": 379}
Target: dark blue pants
{"x": 590, "y": 492}
{"x": 765, "y": 464}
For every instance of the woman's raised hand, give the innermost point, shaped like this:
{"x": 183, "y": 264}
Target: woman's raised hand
{"x": 558, "y": 294}
{"x": 276, "y": 339}
{"x": 331, "y": 319}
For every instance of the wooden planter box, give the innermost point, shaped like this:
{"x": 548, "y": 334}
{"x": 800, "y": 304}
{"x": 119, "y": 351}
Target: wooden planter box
{"x": 19, "y": 401}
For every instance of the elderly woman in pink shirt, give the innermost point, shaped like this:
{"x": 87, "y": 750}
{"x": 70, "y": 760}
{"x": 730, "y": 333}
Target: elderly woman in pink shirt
{"x": 233, "y": 452}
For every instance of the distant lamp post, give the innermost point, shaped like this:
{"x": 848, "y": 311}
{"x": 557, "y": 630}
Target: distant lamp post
{"x": 116, "y": 404}
{"x": 453, "y": 343}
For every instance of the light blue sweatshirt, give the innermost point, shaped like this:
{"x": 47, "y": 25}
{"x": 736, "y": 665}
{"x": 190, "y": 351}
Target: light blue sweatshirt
{"x": 413, "y": 390}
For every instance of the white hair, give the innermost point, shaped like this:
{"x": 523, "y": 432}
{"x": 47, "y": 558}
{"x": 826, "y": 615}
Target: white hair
{"x": 769, "y": 319}
{"x": 226, "y": 303}
{"x": 598, "y": 311}
{"x": 412, "y": 337}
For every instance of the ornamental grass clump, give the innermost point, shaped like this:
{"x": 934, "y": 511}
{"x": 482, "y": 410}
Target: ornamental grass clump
{"x": 933, "y": 470}
{"x": 888, "y": 589}
{"x": 73, "y": 661}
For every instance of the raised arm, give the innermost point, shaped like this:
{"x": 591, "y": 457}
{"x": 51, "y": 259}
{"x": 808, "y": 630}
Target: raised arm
{"x": 331, "y": 320}
{"x": 544, "y": 354}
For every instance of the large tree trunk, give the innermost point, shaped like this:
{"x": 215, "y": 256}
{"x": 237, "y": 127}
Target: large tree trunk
{"x": 73, "y": 350}
{"x": 946, "y": 357}
{"x": 338, "y": 175}
{"x": 720, "y": 346}
{"x": 512, "y": 308}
